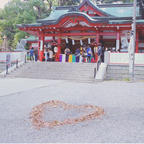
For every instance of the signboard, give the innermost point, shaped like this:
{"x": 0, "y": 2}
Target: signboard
{"x": 41, "y": 45}
{"x": 55, "y": 49}
{"x": 124, "y": 42}
{"x": 35, "y": 45}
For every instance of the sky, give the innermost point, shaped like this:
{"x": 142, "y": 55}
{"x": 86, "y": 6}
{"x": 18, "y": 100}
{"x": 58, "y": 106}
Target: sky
{"x": 3, "y": 2}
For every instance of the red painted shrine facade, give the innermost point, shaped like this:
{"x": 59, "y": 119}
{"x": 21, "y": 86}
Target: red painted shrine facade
{"x": 109, "y": 24}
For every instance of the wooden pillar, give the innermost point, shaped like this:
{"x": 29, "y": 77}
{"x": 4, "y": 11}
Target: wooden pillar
{"x": 59, "y": 50}
{"x": 41, "y": 47}
{"x": 97, "y": 37}
{"x": 137, "y": 42}
{"x": 117, "y": 40}
{"x": 53, "y": 38}
{"x": 97, "y": 42}
{"x": 41, "y": 53}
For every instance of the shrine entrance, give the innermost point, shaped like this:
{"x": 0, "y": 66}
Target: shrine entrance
{"x": 86, "y": 25}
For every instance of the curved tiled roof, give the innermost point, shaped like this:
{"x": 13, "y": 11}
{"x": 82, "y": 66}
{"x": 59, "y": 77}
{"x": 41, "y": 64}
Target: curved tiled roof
{"x": 94, "y": 6}
{"x": 32, "y": 38}
{"x": 53, "y": 22}
{"x": 114, "y": 14}
{"x": 120, "y": 11}
{"x": 54, "y": 15}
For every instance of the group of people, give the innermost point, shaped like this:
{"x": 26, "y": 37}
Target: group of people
{"x": 49, "y": 55}
{"x": 33, "y": 54}
{"x": 86, "y": 53}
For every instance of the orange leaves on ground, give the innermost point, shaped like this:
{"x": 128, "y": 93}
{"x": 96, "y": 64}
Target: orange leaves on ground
{"x": 37, "y": 113}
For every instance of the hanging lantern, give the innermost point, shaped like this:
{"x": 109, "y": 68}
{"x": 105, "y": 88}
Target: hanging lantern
{"x": 55, "y": 49}
{"x": 66, "y": 40}
{"x": 73, "y": 42}
{"x": 89, "y": 40}
{"x": 81, "y": 42}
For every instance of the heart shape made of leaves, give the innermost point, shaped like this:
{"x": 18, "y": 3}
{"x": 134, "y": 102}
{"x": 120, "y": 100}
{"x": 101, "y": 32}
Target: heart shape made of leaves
{"x": 37, "y": 113}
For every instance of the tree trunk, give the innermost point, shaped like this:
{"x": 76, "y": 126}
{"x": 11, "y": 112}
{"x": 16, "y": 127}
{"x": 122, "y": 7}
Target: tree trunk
{"x": 39, "y": 12}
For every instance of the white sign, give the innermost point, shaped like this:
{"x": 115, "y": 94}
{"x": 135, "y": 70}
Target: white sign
{"x": 41, "y": 45}
{"x": 124, "y": 42}
{"x": 55, "y": 49}
{"x": 35, "y": 45}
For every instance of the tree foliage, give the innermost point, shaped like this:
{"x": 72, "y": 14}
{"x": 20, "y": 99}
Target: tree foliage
{"x": 123, "y": 1}
{"x": 68, "y": 2}
{"x": 18, "y": 12}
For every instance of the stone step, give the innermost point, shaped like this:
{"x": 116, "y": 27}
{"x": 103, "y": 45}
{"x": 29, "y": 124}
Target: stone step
{"x": 118, "y": 75}
{"x": 61, "y": 71}
{"x": 117, "y": 67}
{"x": 141, "y": 68}
{"x": 139, "y": 72}
{"x": 64, "y": 68}
{"x": 56, "y": 76}
{"x": 2, "y": 66}
{"x": 58, "y": 72}
{"x": 124, "y": 72}
{"x": 119, "y": 72}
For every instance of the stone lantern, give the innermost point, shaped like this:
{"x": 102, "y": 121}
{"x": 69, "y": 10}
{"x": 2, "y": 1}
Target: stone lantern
{"x": 5, "y": 44}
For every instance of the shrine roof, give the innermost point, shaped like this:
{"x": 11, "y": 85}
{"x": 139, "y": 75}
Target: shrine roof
{"x": 90, "y": 19}
{"x": 120, "y": 11}
{"x": 29, "y": 25}
{"x": 111, "y": 10}
{"x": 140, "y": 21}
{"x": 32, "y": 38}
{"x": 54, "y": 15}
{"x": 115, "y": 14}
{"x": 94, "y": 6}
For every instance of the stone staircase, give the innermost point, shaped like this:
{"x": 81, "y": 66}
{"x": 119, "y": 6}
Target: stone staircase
{"x": 83, "y": 72}
{"x": 2, "y": 67}
{"x": 121, "y": 72}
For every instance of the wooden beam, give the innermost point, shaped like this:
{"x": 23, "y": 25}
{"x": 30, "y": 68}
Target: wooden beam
{"x": 82, "y": 34}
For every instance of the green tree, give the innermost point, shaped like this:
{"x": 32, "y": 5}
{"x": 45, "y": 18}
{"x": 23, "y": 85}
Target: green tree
{"x": 68, "y": 2}
{"x": 18, "y": 12}
{"x": 124, "y": 1}
{"x": 1, "y": 39}
{"x": 51, "y": 3}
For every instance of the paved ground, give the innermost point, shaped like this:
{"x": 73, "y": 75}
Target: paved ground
{"x": 123, "y": 103}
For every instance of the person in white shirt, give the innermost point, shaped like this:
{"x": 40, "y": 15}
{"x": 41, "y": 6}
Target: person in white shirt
{"x": 50, "y": 54}
{"x": 67, "y": 53}
{"x": 46, "y": 55}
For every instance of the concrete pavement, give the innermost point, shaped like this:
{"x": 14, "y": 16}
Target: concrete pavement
{"x": 123, "y": 103}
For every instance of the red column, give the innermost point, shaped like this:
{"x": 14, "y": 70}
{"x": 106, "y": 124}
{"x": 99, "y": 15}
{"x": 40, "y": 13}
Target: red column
{"x": 137, "y": 43}
{"x": 59, "y": 50}
{"x": 41, "y": 45}
{"x": 97, "y": 41}
{"x": 97, "y": 37}
{"x": 39, "y": 49}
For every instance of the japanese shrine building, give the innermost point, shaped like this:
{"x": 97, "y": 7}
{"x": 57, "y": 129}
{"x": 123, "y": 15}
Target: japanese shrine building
{"x": 109, "y": 24}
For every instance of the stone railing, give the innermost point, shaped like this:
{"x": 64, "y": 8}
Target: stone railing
{"x": 123, "y": 58}
{"x": 10, "y": 61}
